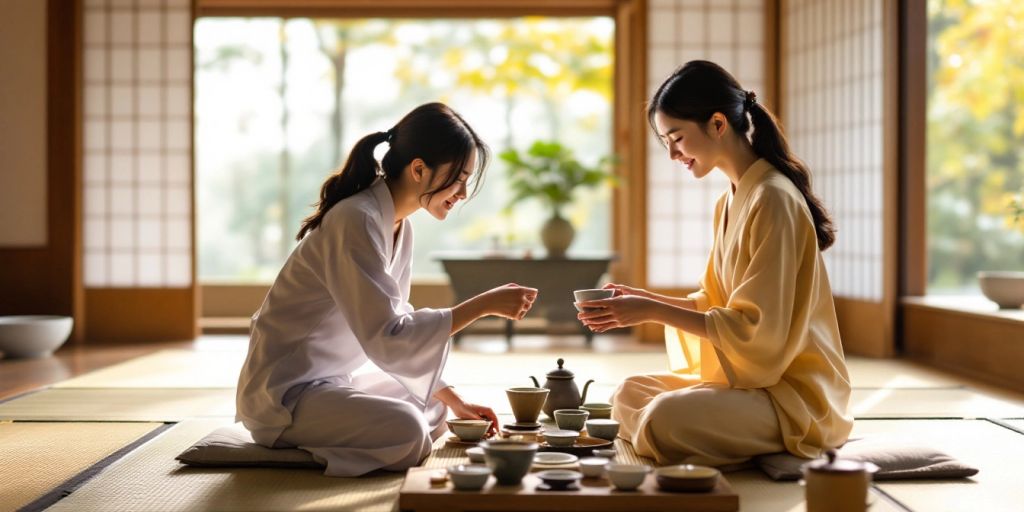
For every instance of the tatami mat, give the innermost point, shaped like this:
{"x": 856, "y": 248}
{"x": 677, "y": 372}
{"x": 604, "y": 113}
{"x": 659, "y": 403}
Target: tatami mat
{"x": 758, "y": 493}
{"x": 167, "y": 369}
{"x": 119, "y": 405}
{"x": 930, "y": 403}
{"x": 149, "y": 479}
{"x": 37, "y": 457}
{"x": 895, "y": 373}
{"x": 996, "y": 451}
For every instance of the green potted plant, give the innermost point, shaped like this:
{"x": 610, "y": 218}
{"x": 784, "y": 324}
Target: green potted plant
{"x": 550, "y": 173}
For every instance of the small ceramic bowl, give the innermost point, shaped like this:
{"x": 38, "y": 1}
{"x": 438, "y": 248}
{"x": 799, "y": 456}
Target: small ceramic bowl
{"x": 686, "y": 478}
{"x": 475, "y": 454}
{"x": 607, "y": 453}
{"x": 603, "y": 429}
{"x": 469, "y": 477}
{"x": 593, "y": 467}
{"x": 469, "y": 430}
{"x": 571, "y": 419}
{"x": 627, "y": 477}
{"x": 598, "y": 410}
{"x": 558, "y": 479}
{"x": 561, "y": 438}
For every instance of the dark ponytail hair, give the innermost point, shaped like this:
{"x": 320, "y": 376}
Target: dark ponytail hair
{"x": 432, "y": 132}
{"x": 700, "y": 88}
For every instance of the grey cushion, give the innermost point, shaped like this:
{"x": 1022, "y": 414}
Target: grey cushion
{"x": 233, "y": 446}
{"x": 895, "y": 461}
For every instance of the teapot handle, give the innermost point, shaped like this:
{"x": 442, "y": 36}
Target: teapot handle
{"x": 535, "y": 383}
{"x": 583, "y": 398}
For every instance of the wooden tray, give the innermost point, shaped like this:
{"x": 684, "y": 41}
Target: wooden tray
{"x": 594, "y": 495}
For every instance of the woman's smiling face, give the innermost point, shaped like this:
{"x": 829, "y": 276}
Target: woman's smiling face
{"x": 442, "y": 201}
{"x": 687, "y": 143}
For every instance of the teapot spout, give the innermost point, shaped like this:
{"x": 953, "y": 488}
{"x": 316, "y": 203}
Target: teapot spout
{"x": 583, "y": 398}
{"x": 535, "y": 383}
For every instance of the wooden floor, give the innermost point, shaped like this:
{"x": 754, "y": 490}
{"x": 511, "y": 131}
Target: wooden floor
{"x": 970, "y": 420}
{"x": 18, "y": 376}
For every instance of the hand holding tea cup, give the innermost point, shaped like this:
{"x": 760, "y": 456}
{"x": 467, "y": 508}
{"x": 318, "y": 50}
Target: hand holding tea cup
{"x": 600, "y": 315}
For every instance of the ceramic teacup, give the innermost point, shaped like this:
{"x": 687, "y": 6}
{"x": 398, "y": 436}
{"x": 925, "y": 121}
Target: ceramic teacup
{"x": 509, "y": 460}
{"x": 469, "y": 430}
{"x": 598, "y": 410}
{"x": 527, "y": 402}
{"x": 561, "y": 438}
{"x": 591, "y": 294}
{"x": 603, "y": 429}
{"x": 593, "y": 467}
{"x": 627, "y": 477}
{"x": 469, "y": 477}
{"x": 571, "y": 419}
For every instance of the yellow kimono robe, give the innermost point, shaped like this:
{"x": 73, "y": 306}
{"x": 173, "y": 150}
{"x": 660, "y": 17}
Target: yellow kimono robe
{"x": 773, "y": 342}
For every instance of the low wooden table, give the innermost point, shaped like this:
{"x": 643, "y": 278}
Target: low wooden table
{"x": 556, "y": 278}
{"x": 594, "y": 495}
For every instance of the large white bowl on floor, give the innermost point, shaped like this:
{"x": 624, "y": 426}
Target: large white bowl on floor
{"x": 1003, "y": 288}
{"x": 30, "y": 336}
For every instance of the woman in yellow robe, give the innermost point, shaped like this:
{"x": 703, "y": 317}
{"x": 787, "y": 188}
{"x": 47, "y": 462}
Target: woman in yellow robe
{"x": 755, "y": 355}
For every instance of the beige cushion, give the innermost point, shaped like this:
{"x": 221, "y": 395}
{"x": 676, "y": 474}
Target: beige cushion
{"x": 233, "y": 446}
{"x": 895, "y": 461}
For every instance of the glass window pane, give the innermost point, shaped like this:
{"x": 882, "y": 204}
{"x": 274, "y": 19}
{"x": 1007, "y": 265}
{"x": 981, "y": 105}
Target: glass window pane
{"x": 975, "y": 166}
{"x": 263, "y": 150}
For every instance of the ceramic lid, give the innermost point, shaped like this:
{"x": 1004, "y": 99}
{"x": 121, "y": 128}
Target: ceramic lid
{"x": 560, "y": 373}
{"x": 832, "y": 464}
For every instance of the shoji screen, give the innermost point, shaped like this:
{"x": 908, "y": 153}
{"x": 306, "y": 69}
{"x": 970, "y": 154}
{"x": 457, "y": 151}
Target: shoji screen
{"x": 834, "y": 91}
{"x": 137, "y": 148}
{"x": 679, "y": 207}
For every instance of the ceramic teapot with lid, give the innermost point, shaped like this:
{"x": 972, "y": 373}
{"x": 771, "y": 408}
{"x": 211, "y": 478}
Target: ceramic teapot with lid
{"x": 564, "y": 394}
{"x": 837, "y": 485}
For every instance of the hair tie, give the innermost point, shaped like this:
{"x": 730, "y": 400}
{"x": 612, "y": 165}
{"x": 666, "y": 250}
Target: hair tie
{"x": 750, "y": 100}
{"x": 390, "y": 135}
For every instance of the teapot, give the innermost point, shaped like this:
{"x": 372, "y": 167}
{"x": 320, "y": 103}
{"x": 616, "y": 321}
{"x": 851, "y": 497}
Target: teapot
{"x": 564, "y": 394}
{"x": 837, "y": 485}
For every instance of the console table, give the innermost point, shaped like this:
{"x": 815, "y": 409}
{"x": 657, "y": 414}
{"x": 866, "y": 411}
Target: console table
{"x": 555, "y": 279}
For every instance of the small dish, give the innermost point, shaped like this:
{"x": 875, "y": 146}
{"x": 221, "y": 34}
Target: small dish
{"x": 550, "y": 458}
{"x": 475, "y": 454}
{"x": 687, "y": 478}
{"x": 559, "y": 479}
{"x": 607, "y": 453}
{"x": 469, "y": 477}
{"x": 523, "y": 425}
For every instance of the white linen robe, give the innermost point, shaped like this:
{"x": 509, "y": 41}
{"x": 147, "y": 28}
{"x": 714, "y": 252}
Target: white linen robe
{"x": 771, "y": 375}
{"x": 340, "y": 302}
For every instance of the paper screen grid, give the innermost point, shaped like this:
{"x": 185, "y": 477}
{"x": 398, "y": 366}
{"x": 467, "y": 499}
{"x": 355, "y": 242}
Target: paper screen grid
{"x": 137, "y": 143}
{"x": 833, "y": 65}
{"x": 680, "y": 208}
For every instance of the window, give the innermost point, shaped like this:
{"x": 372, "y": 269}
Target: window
{"x": 975, "y": 124}
{"x": 272, "y": 120}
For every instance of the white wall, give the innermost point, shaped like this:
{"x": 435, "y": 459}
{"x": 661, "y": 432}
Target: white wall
{"x": 23, "y": 123}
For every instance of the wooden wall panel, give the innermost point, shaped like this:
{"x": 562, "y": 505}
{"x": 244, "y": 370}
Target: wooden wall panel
{"x": 47, "y": 280}
{"x": 975, "y": 345}
{"x": 132, "y": 315}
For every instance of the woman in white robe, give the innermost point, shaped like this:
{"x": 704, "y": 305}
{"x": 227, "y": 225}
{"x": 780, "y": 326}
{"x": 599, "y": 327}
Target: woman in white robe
{"x": 756, "y": 358}
{"x": 339, "y": 363}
